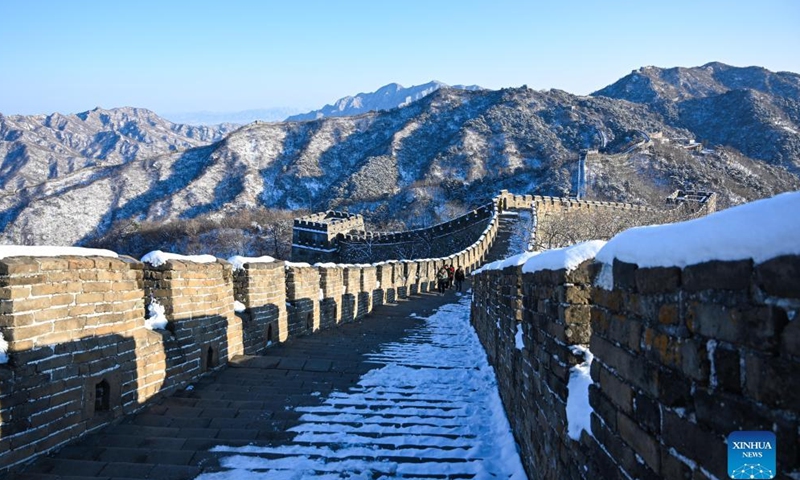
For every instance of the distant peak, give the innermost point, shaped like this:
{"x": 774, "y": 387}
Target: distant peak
{"x": 387, "y": 97}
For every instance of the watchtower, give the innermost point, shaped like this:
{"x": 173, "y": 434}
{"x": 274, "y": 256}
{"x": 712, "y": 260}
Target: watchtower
{"x": 315, "y": 238}
{"x": 693, "y": 201}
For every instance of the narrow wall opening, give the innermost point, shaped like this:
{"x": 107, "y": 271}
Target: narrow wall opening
{"x": 102, "y": 396}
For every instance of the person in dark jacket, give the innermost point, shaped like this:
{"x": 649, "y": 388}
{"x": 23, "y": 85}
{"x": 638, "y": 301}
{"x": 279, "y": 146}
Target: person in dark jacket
{"x": 450, "y": 273}
{"x": 459, "y": 277}
{"x": 441, "y": 280}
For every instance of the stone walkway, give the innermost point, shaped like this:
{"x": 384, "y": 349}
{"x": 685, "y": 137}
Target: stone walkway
{"x": 318, "y": 407}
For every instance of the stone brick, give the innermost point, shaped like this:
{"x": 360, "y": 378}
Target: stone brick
{"x": 662, "y": 348}
{"x": 647, "y": 413}
{"x": 575, "y": 294}
{"x": 674, "y": 390}
{"x": 694, "y": 359}
{"x": 625, "y": 331}
{"x": 715, "y": 321}
{"x": 624, "y": 276}
{"x": 672, "y": 467}
{"x": 603, "y": 407}
{"x": 780, "y": 277}
{"x": 693, "y": 442}
{"x": 790, "y": 339}
{"x": 669, "y": 315}
{"x": 722, "y": 412}
{"x": 610, "y": 299}
{"x": 718, "y": 275}
{"x": 640, "y": 441}
{"x": 629, "y": 367}
{"x": 657, "y": 280}
{"x": 583, "y": 274}
{"x": 767, "y": 378}
{"x": 612, "y": 387}
{"x": 727, "y": 369}
{"x": 18, "y": 266}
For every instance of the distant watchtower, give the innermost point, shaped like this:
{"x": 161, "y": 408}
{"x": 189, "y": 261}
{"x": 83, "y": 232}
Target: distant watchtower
{"x": 694, "y": 201}
{"x": 315, "y": 238}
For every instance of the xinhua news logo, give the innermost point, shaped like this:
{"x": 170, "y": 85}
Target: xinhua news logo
{"x": 751, "y": 455}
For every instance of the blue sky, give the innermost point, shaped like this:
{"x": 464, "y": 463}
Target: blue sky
{"x": 180, "y": 56}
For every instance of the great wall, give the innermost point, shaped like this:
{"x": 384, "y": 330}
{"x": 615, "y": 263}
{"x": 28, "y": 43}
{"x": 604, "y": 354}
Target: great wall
{"x": 682, "y": 358}
{"x": 668, "y": 343}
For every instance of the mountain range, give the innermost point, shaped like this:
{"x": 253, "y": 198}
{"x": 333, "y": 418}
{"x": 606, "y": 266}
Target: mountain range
{"x": 239, "y": 118}
{"x": 387, "y": 97}
{"x": 72, "y": 179}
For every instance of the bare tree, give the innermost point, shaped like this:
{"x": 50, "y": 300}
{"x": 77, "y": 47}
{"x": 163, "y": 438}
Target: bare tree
{"x": 568, "y": 227}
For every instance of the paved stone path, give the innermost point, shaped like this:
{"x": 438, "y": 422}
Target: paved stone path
{"x": 293, "y": 408}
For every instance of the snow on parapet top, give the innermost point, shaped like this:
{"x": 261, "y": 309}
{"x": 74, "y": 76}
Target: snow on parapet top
{"x": 157, "y": 258}
{"x": 512, "y": 261}
{"x": 239, "y": 261}
{"x": 563, "y": 258}
{"x": 759, "y": 230}
{"x": 296, "y": 264}
{"x": 52, "y": 251}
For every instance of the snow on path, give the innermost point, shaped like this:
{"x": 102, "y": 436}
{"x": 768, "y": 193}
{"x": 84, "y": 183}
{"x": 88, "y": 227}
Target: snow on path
{"x": 432, "y": 409}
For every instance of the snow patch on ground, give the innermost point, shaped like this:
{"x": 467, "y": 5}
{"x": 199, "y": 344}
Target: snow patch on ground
{"x": 579, "y": 412}
{"x": 157, "y": 258}
{"x": 238, "y": 306}
{"x": 7, "y": 251}
{"x": 433, "y": 408}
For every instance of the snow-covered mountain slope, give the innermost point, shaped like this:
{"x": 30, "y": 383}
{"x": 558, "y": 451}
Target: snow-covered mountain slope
{"x": 751, "y": 109}
{"x": 417, "y": 165}
{"x": 387, "y": 97}
{"x": 37, "y": 149}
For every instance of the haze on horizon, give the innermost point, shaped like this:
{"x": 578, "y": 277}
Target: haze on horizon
{"x": 168, "y": 57}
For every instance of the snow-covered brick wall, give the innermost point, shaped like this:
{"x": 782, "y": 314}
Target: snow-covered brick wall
{"x": 302, "y": 294}
{"x": 100, "y": 304}
{"x": 196, "y": 296}
{"x": 260, "y": 286}
{"x": 530, "y": 325}
{"x": 757, "y": 231}
{"x": 687, "y": 346}
{"x": 684, "y": 356}
{"x": 75, "y": 318}
{"x": 331, "y": 294}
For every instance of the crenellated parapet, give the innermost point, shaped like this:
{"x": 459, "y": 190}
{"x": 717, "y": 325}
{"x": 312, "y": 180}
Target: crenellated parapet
{"x": 83, "y": 348}
{"x": 340, "y": 237}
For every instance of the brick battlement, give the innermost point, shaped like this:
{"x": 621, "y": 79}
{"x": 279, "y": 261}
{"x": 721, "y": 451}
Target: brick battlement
{"x": 331, "y": 221}
{"x": 354, "y": 245}
{"x": 81, "y": 356}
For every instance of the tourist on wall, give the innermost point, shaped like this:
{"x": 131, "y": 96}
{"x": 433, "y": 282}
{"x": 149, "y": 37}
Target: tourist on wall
{"x": 459, "y": 278}
{"x": 441, "y": 280}
{"x": 450, "y": 274}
